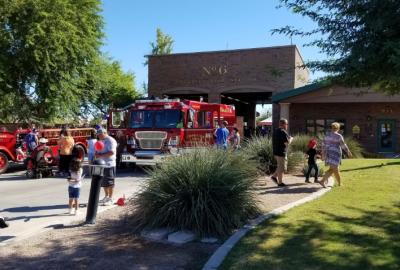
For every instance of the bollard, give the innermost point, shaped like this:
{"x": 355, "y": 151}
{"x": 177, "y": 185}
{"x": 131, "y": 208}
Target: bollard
{"x": 97, "y": 172}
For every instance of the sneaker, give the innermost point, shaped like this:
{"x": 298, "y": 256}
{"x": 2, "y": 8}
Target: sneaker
{"x": 315, "y": 180}
{"x": 282, "y": 185}
{"x": 308, "y": 181}
{"x": 76, "y": 212}
{"x": 103, "y": 200}
{"x": 274, "y": 179}
{"x": 70, "y": 211}
{"x": 108, "y": 202}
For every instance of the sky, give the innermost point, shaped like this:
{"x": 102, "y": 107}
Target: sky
{"x": 195, "y": 26}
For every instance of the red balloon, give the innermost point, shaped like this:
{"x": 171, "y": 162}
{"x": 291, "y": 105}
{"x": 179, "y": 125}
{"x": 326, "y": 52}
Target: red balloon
{"x": 99, "y": 145}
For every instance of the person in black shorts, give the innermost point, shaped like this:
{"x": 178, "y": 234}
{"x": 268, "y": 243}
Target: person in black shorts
{"x": 109, "y": 155}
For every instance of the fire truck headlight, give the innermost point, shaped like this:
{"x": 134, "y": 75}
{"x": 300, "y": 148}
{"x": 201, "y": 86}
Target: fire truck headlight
{"x": 132, "y": 142}
{"x": 174, "y": 141}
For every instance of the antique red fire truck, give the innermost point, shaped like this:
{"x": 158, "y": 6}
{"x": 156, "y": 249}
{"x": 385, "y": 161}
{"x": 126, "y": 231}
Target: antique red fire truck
{"x": 13, "y": 149}
{"x": 149, "y": 130}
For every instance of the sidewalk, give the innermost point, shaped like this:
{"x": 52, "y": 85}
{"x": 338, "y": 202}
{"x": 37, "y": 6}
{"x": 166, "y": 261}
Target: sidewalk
{"x": 31, "y": 214}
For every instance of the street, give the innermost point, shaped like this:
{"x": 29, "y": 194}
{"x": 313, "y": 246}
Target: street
{"x": 32, "y": 205}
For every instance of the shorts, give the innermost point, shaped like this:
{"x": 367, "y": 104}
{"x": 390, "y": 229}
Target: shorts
{"x": 281, "y": 163}
{"x": 109, "y": 177}
{"x": 74, "y": 192}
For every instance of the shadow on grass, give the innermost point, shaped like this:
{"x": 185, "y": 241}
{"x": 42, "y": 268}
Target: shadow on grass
{"x": 110, "y": 244}
{"x": 370, "y": 240}
{"x": 372, "y": 167}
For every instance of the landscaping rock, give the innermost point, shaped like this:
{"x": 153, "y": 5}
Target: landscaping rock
{"x": 181, "y": 237}
{"x": 209, "y": 240}
{"x": 157, "y": 234}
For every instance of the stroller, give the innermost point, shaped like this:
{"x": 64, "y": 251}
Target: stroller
{"x": 41, "y": 161}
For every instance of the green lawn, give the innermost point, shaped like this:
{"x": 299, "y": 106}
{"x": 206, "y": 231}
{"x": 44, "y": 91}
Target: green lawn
{"x": 356, "y": 226}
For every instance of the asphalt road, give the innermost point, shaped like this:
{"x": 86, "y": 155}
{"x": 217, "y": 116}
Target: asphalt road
{"x": 31, "y": 205}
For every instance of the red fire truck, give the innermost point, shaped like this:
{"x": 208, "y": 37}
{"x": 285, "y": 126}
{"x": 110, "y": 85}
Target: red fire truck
{"x": 11, "y": 141}
{"x": 149, "y": 130}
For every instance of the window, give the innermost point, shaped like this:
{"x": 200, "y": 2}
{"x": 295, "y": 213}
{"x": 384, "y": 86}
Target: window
{"x": 321, "y": 126}
{"x": 204, "y": 119}
{"x": 156, "y": 119}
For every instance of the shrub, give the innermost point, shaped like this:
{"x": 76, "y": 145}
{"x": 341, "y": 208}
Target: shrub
{"x": 295, "y": 162}
{"x": 207, "y": 191}
{"x": 355, "y": 148}
{"x": 300, "y": 143}
{"x": 259, "y": 149}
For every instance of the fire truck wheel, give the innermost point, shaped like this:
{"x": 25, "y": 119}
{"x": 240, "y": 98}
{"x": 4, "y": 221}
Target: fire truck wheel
{"x": 30, "y": 174}
{"x": 3, "y": 163}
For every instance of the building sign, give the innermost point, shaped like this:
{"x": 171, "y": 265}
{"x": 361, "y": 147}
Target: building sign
{"x": 215, "y": 70}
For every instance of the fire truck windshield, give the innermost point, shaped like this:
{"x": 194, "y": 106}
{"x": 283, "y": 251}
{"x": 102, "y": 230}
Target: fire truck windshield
{"x": 156, "y": 119}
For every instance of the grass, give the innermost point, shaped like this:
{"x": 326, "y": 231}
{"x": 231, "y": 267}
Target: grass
{"x": 356, "y": 226}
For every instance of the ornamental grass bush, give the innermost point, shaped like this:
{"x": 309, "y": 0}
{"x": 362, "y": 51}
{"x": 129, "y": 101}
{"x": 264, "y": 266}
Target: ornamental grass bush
{"x": 300, "y": 143}
{"x": 207, "y": 191}
{"x": 355, "y": 147}
{"x": 295, "y": 162}
{"x": 259, "y": 149}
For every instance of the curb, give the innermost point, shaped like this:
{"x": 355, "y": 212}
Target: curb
{"x": 219, "y": 255}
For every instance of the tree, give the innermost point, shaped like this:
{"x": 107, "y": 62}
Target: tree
{"x": 162, "y": 45}
{"x": 360, "y": 38}
{"x": 106, "y": 86}
{"x": 45, "y": 48}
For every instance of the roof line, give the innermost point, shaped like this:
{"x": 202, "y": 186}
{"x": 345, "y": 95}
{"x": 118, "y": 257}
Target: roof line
{"x": 225, "y": 51}
{"x": 299, "y": 91}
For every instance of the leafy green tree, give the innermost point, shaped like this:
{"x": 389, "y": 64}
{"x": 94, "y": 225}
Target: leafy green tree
{"x": 45, "y": 48}
{"x": 162, "y": 45}
{"x": 360, "y": 38}
{"x": 106, "y": 86}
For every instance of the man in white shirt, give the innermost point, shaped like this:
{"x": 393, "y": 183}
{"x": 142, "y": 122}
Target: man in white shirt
{"x": 109, "y": 155}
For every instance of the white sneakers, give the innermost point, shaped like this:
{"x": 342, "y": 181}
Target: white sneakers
{"x": 108, "y": 202}
{"x": 103, "y": 200}
{"x": 73, "y": 211}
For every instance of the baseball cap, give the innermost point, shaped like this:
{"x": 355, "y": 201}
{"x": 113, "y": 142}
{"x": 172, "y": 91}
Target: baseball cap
{"x": 101, "y": 131}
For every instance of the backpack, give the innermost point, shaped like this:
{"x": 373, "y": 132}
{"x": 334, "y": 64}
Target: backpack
{"x": 30, "y": 141}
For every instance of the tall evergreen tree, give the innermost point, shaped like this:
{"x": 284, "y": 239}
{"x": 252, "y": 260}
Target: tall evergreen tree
{"x": 360, "y": 38}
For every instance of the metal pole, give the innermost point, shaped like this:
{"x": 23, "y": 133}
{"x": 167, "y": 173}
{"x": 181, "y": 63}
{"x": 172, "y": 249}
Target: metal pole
{"x": 93, "y": 199}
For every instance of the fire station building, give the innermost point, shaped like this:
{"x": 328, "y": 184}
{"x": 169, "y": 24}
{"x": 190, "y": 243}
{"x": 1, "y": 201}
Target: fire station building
{"x": 274, "y": 75}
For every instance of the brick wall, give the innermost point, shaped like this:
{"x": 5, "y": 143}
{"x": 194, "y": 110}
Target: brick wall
{"x": 266, "y": 69}
{"x": 365, "y": 115}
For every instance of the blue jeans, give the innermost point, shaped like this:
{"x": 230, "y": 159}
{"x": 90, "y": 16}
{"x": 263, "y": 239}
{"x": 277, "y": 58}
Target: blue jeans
{"x": 310, "y": 167}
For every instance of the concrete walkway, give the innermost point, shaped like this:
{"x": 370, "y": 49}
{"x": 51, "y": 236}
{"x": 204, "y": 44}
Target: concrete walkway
{"x": 32, "y": 206}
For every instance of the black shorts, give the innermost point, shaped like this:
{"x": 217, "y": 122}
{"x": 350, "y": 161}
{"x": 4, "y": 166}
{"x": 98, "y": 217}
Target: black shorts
{"x": 109, "y": 177}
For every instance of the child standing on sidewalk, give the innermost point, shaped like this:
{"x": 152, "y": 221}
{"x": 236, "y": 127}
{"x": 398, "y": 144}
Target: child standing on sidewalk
{"x": 312, "y": 155}
{"x": 74, "y": 185}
